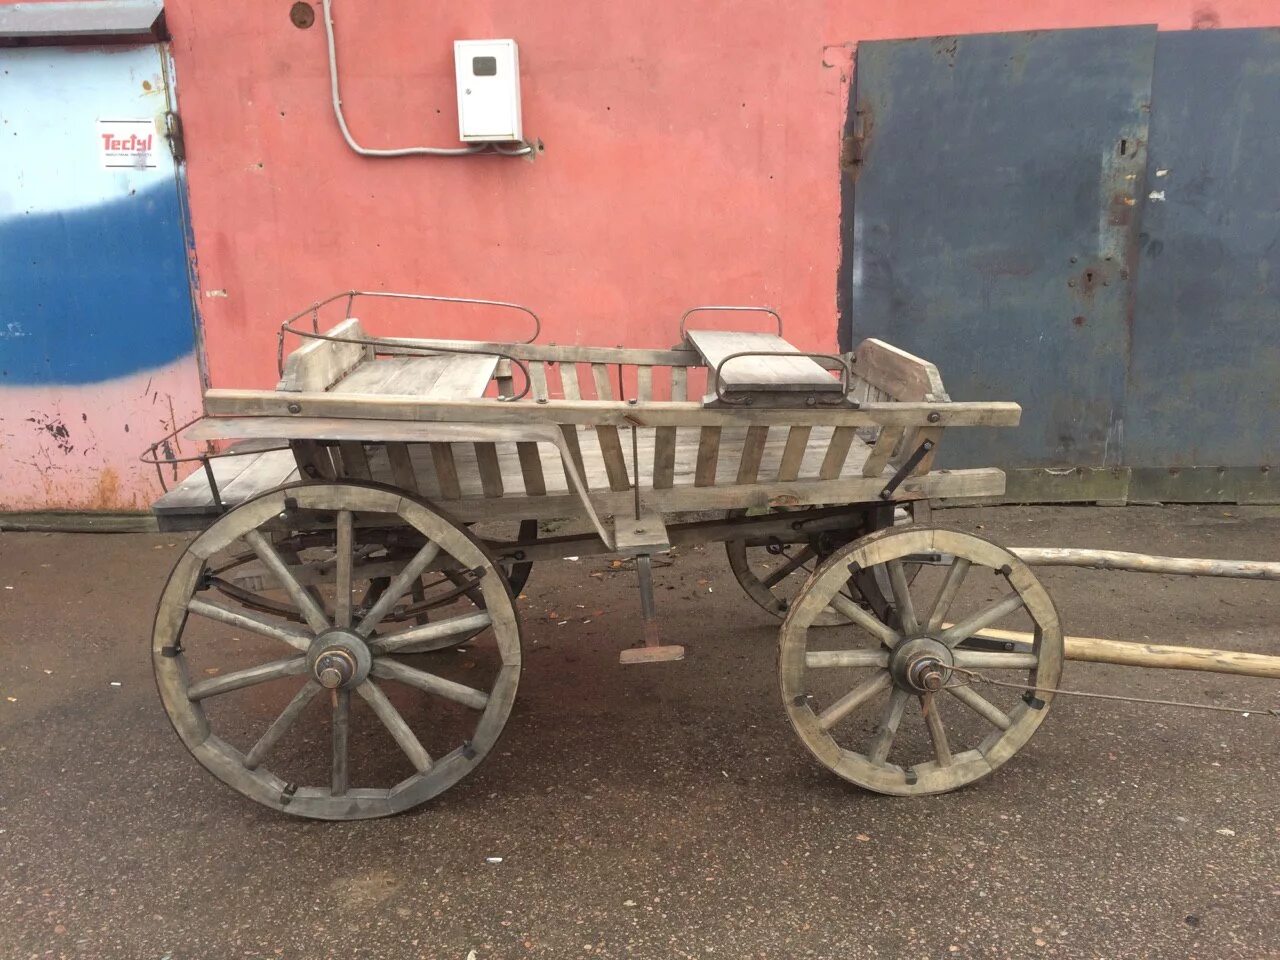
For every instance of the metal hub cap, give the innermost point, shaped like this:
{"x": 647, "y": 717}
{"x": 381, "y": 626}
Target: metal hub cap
{"x": 921, "y": 665}
{"x": 338, "y": 659}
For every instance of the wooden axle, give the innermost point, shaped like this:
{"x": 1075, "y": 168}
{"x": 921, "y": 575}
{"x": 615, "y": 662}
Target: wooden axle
{"x": 1144, "y": 563}
{"x": 1164, "y": 656}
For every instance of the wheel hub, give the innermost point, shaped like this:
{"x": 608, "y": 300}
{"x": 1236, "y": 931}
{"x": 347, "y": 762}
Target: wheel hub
{"x": 339, "y": 659}
{"x": 921, "y": 665}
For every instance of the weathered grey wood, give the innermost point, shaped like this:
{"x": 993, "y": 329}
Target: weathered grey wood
{"x": 245, "y": 621}
{"x": 531, "y": 469}
{"x": 708, "y": 457}
{"x": 403, "y": 474}
{"x": 615, "y": 463}
{"x": 490, "y": 471}
{"x": 193, "y": 492}
{"x": 448, "y": 689}
{"x": 272, "y": 560}
{"x": 318, "y": 364}
{"x": 1146, "y": 563}
{"x": 446, "y": 470}
{"x": 313, "y": 460}
{"x": 679, "y": 384}
{"x": 664, "y": 458}
{"x": 250, "y": 676}
{"x": 569, "y": 383}
{"x": 600, "y": 377}
{"x": 574, "y": 446}
{"x": 340, "y": 735}
{"x": 644, "y": 384}
{"x": 898, "y": 374}
{"x": 344, "y": 547}
{"x": 400, "y": 731}
{"x": 281, "y": 724}
{"x": 270, "y": 469}
{"x": 752, "y": 454}
{"x": 355, "y": 461}
{"x": 797, "y": 374}
{"x": 428, "y": 633}
{"x": 837, "y": 452}
{"x": 538, "y": 380}
{"x": 240, "y": 404}
{"x": 793, "y": 453}
{"x": 556, "y": 353}
{"x": 886, "y": 444}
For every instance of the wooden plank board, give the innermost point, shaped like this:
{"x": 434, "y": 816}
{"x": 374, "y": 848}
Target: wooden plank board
{"x": 746, "y": 374}
{"x": 192, "y": 494}
{"x": 319, "y": 364}
{"x": 444, "y": 377}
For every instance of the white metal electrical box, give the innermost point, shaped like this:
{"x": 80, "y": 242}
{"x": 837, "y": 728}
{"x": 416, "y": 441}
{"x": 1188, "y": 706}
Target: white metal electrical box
{"x": 488, "y": 73}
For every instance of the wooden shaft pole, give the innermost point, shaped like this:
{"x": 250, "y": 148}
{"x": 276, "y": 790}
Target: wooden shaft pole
{"x": 1145, "y": 563}
{"x": 1125, "y": 653}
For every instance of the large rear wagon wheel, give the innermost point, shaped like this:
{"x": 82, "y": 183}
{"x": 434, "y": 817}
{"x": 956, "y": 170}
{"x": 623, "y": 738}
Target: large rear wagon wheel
{"x": 880, "y": 701}
{"x": 339, "y": 717}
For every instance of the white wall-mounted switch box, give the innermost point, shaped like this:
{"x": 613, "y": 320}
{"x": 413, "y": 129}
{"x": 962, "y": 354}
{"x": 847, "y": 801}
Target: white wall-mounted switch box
{"x": 488, "y": 73}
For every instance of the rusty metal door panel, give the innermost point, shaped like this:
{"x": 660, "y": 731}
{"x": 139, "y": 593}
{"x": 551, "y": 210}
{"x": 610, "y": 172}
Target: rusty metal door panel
{"x": 995, "y": 182}
{"x": 1204, "y": 387}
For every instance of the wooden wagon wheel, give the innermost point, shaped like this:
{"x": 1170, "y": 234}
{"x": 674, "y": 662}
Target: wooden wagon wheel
{"x": 881, "y": 705}
{"x": 772, "y": 573}
{"x": 268, "y": 728}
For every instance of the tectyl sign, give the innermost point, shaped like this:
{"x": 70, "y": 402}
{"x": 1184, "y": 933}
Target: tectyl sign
{"x": 127, "y": 144}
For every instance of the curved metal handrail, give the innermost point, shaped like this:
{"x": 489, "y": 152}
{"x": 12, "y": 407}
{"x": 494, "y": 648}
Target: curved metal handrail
{"x": 733, "y": 309}
{"x": 846, "y": 378}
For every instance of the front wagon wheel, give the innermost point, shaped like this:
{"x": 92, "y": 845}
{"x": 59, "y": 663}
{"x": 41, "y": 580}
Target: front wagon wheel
{"x": 898, "y": 704}
{"x": 336, "y": 712}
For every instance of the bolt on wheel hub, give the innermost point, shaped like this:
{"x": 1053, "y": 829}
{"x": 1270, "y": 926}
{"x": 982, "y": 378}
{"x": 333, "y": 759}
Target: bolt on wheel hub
{"x": 921, "y": 665}
{"x": 339, "y": 659}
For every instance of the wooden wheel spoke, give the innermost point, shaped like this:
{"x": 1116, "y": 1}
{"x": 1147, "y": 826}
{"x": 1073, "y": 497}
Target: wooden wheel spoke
{"x": 271, "y": 559}
{"x": 457, "y": 692}
{"x": 890, "y": 720}
{"x": 409, "y": 641}
{"x": 249, "y": 677}
{"x": 237, "y": 618}
{"x": 344, "y": 558}
{"x": 341, "y": 734}
{"x": 867, "y": 621}
{"x": 981, "y": 706}
{"x": 859, "y": 695}
{"x": 994, "y": 660}
{"x": 266, "y": 743}
{"x": 902, "y": 597}
{"x": 404, "y": 737}
{"x": 985, "y": 618}
{"x": 398, "y": 587}
{"x": 790, "y": 567}
{"x": 818, "y": 659}
{"x": 937, "y": 732}
{"x": 947, "y": 592}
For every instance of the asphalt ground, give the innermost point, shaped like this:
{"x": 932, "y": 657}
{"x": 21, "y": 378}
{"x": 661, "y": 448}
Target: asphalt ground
{"x": 661, "y": 810}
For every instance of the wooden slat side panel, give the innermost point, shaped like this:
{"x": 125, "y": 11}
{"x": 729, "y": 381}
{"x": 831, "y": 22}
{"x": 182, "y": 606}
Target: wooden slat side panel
{"x": 679, "y": 383}
{"x": 570, "y": 433}
{"x": 354, "y": 460}
{"x": 531, "y": 469}
{"x": 793, "y": 453}
{"x": 837, "y": 452}
{"x": 708, "y": 457}
{"x": 446, "y": 468}
{"x": 900, "y": 375}
{"x": 644, "y": 383}
{"x": 538, "y": 380}
{"x": 402, "y": 473}
{"x": 615, "y": 464}
{"x": 664, "y": 458}
{"x": 600, "y": 375}
{"x": 885, "y": 445}
{"x": 752, "y": 454}
{"x": 909, "y": 446}
{"x": 313, "y": 460}
{"x": 569, "y": 381}
{"x": 490, "y": 469}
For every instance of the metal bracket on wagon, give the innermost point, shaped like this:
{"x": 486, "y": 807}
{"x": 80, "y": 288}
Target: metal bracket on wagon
{"x": 904, "y": 471}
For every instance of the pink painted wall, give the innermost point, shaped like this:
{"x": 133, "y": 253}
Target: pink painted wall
{"x": 691, "y": 157}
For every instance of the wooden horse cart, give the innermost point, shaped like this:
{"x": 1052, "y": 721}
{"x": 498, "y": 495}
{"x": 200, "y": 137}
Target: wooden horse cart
{"x": 366, "y": 527}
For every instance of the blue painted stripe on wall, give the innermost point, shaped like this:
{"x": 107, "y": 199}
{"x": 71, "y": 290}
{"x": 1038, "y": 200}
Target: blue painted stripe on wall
{"x": 94, "y": 293}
